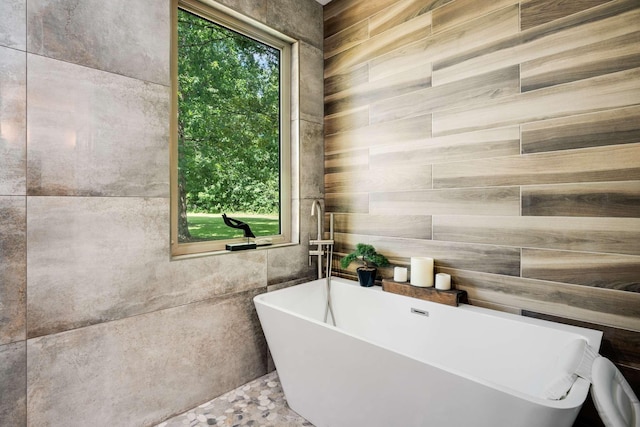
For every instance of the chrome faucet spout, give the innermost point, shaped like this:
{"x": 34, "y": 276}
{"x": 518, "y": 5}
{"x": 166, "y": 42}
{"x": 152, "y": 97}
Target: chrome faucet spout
{"x": 313, "y": 213}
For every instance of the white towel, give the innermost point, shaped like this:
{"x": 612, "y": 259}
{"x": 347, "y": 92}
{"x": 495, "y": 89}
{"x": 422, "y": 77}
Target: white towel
{"x": 574, "y": 361}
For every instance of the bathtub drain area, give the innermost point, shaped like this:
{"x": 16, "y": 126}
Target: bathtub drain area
{"x": 258, "y": 403}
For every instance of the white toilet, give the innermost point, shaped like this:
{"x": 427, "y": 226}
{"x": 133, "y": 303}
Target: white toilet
{"x": 615, "y": 401}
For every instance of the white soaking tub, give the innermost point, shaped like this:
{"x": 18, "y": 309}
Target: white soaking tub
{"x": 386, "y": 365}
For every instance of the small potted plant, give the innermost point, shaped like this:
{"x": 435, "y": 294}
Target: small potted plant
{"x": 367, "y": 255}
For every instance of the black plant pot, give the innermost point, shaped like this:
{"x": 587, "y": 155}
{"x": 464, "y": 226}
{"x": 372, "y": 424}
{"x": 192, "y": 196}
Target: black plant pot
{"x": 367, "y": 276}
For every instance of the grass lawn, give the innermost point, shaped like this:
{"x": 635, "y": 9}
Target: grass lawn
{"x": 212, "y": 226}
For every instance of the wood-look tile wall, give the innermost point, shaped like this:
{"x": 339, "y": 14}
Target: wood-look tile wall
{"x": 501, "y": 138}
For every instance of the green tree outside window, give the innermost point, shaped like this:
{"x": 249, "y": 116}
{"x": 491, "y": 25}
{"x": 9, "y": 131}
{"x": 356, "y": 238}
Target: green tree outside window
{"x": 228, "y": 131}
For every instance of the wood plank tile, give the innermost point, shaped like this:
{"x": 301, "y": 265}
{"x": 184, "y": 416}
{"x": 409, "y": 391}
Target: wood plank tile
{"x": 484, "y": 258}
{"x": 468, "y": 38}
{"x": 347, "y": 202}
{"x": 608, "y": 235}
{"x": 475, "y": 201}
{"x": 536, "y": 12}
{"x": 408, "y": 129}
{"x": 614, "y": 19}
{"x": 346, "y": 121}
{"x": 346, "y": 39}
{"x": 339, "y": 15}
{"x": 407, "y": 57}
{"x": 614, "y": 163}
{"x": 475, "y": 145}
{"x": 475, "y": 90}
{"x": 581, "y": 268}
{"x": 608, "y": 199}
{"x": 407, "y": 226}
{"x": 597, "y": 305}
{"x": 348, "y": 161}
{"x": 475, "y": 35}
{"x": 608, "y": 56}
{"x": 498, "y": 307}
{"x": 462, "y": 11}
{"x": 615, "y": 90}
{"x": 416, "y": 29}
{"x": 345, "y": 81}
{"x": 609, "y": 127}
{"x": 397, "y": 14}
{"x": 410, "y": 178}
{"x": 356, "y": 96}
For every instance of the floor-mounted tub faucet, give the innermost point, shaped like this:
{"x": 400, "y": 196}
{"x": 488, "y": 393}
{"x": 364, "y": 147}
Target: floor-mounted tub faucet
{"x": 324, "y": 248}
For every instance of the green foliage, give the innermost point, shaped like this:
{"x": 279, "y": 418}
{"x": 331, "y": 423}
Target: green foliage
{"x": 367, "y": 254}
{"x": 208, "y": 226}
{"x": 228, "y": 127}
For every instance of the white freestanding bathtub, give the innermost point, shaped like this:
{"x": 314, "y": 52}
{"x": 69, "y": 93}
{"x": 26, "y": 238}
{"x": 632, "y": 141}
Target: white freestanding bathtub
{"x": 395, "y": 361}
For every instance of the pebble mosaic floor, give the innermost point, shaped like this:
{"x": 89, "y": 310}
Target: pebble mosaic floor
{"x": 258, "y": 403}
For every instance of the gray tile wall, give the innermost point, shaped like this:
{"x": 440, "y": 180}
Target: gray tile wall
{"x": 113, "y": 332}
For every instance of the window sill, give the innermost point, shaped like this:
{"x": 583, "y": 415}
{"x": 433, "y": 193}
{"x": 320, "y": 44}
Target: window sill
{"x": 224, "y": 252}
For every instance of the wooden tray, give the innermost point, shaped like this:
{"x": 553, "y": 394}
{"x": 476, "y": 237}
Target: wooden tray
{"x": 452, "y": 297}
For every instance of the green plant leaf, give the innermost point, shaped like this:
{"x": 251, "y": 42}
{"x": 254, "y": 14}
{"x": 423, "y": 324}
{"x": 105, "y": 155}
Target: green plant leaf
{"x": 367, "y": 254}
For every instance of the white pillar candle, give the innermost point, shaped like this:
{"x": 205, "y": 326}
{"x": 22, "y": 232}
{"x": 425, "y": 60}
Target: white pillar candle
{"x": 400, "y": 274}
{"x": 443, "y": 281}
{"x": 422, "y": 271}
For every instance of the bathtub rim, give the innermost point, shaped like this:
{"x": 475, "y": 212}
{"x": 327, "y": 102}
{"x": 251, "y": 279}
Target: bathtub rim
{"x": 573, "y": 400}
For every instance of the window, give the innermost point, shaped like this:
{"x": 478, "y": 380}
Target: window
{"x": 231, "y": 130}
